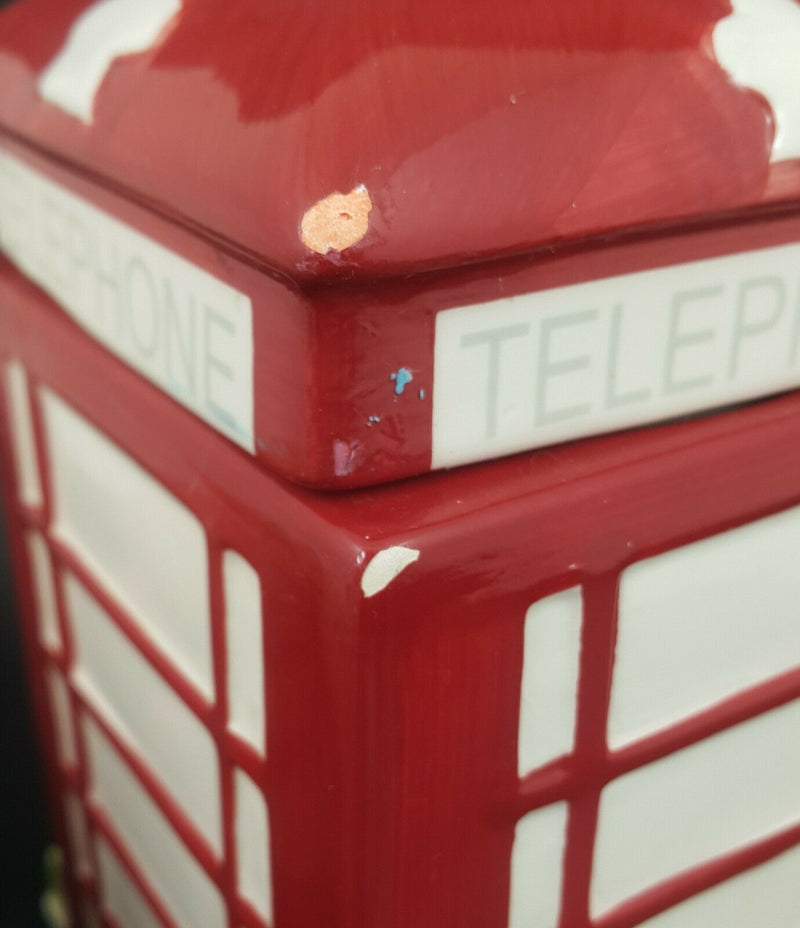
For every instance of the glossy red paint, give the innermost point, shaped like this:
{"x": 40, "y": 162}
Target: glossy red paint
{"x": 326, "y": 410}
{"x": 477, "y": 142}
{"x": 555, "y": 144}
{"x": 391, "y": 770}
{"x": 475, "y": 135}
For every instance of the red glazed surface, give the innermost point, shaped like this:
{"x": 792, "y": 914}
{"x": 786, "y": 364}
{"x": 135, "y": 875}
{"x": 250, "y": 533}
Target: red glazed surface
{"x": 558, "y": 144}
{"x": 547, "y": 146}
{"x": 324, "y": 356}
{"x": 392, "y": 769}
{"x": 475, "y": 135}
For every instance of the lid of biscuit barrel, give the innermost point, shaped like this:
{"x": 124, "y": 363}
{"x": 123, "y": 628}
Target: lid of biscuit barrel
{"x": 426, "y": 223}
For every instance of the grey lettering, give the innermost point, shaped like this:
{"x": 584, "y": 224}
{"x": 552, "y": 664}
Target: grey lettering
{"x": 53, "y": 233}
{"x": 547, "y": 368}
{"x": 774, "y": 291}
{"x": 136, "y": 296}
{"x": 106, "y": 280}
{"x": 493, "y": 338}
{"x": 212, "y": 363}
{"x": 612, "y": 397}
{"x": 677, "y": 340}
{"x": 142, "y": 307}
{"x": 185, "y": 339}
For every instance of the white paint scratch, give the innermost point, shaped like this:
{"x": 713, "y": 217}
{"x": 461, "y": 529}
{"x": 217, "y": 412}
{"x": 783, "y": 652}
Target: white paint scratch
{"x": 102, "y": 33}
{"x": 384, "y": 567}
{"x": 759, "y": 46}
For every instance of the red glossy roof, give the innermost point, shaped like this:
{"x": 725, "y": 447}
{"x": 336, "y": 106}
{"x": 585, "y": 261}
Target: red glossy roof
{"x": 463, "y": 129}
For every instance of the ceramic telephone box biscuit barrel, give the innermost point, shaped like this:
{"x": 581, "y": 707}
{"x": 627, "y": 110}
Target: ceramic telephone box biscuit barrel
{"x": 262, "y": 261}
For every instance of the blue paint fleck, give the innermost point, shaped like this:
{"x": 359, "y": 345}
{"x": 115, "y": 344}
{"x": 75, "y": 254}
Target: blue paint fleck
{"x": 373, "y": 419}
{"x": 422, "y": 394}
{"x": 401, "y": 378}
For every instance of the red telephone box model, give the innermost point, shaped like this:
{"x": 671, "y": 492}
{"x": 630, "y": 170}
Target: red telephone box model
{"x": 401, "y": 448}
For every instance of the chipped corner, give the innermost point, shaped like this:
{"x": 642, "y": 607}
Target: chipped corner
{"x": 385, "y": 566}
{"x": 347, "y": 456}
{"x": 337, "y": 222}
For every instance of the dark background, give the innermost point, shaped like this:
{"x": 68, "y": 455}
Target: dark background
{"x": 23, "y": 831}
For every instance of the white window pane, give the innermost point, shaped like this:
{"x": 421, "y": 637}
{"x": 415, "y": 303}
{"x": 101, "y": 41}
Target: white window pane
{"x": 537, "y": 865}
{"x": 549, "y": 679}
{"x": 767, "y": 897}
{"x": 245, "y": 650}
{"x": 44, "y": 590}
{"x": 29, "y": 486}
{"x": 169, "y": 867}
{"x": 254, "y": 876}
{"x": 120, "y": 897}
{"x": 145, "y": 711}
{"x": 713, "y": 797}
{"x": 78, "y": 834}
{"x": 704, "y": 621}
{"x": 62, "y": 718}
{"x": 145, "y": 546}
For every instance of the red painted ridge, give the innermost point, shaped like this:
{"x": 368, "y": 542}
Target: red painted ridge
{"x": 475, "y": 134}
